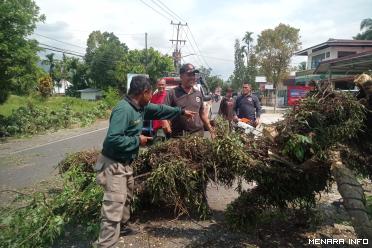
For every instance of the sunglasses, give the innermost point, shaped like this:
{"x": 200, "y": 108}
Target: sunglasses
{"x": 190, "y": 74}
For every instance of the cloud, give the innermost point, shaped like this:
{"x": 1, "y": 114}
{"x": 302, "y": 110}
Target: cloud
{"x": 214, "y": 24}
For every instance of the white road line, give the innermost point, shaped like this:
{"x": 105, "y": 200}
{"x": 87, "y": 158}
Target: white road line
{"x": 56, "y": 141}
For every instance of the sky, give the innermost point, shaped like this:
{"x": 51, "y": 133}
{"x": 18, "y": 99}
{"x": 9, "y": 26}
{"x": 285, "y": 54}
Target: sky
{"x": 212, "y": 26}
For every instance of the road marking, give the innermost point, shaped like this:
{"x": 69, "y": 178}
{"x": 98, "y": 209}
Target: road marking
{"x": 56, "y": 141}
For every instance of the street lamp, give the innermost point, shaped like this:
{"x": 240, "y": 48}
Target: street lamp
{"x": 178, "y": 60}
{"x": 188, "y": 55}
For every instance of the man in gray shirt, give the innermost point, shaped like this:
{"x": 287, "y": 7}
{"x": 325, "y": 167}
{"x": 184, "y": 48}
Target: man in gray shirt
{"x": 248, "y": 106}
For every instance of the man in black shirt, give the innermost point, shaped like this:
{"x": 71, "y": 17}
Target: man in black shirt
{"x": 248, "y": 106}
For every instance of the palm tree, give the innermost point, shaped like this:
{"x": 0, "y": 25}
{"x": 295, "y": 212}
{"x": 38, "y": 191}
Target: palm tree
{"x": 247, "y": 40}
{"x": 365, "y": 25}
{"x": 49, "y": 61}
{"x": 302, "y": 66}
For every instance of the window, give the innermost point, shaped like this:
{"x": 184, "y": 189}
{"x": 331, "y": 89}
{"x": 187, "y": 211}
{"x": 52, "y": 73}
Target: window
{"x": 316, "y": 60}
{"x": 328, "y": 54}
{"x": 341, "y": 54}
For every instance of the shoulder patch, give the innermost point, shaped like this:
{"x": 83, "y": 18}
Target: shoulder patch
{"x": 135, "y": 122}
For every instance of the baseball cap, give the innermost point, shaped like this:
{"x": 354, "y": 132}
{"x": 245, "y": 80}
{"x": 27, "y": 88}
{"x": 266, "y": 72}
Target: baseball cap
{"x": 186, "y": 68}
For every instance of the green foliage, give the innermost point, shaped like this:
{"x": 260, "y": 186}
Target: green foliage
{"x": 104, "y": 51}
{"x": 296, "y": 146}
{"x": 239, "y": 71}
{"x": 45, "y": 86}
{"x": 366, "y": 28}
{"x": 43, "y": 219}
{"x": 18, "y": 68}
{"x": 214, "y": 82}
{"x": 38, "y": 117}
{"x": 151, "y": 62}
{"x": 111, "y": 97}
{"x": 274, "y": 50}
{"x": 174, "y": 184}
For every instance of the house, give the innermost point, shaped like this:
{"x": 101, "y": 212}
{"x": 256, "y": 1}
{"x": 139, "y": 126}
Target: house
{"x": 331, "y": 50}
{"x": 61, "y": 87}
{"x": 91, "y": 94}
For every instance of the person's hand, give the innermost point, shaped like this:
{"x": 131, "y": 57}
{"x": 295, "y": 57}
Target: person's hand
{"x": 167, "y": 129}
{"x": 257, "y": 122}
{"x": 235, "y": 118}
{"x": 213, "y": 134}
{"x": 144, "y": 139}
{"x": 189, "y": 114}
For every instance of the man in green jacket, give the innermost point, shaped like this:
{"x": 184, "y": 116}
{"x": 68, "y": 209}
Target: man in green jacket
{"x": 120, "y": 148}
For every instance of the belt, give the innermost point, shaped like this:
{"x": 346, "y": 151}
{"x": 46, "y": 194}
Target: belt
{"x": 127, "y": 161}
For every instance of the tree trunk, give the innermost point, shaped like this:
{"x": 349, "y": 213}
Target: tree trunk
{"x": 275, "y": 98}
{"x": 353, "y": 197}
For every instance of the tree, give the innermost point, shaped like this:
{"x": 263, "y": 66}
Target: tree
{"x": 104, "y": 51}
{"x": 274, "y": 49}
{"x": 214, "y": 82}
{"x": 51, "y": 62}
{"x": 77, "y": 75}
{"x": 301, "y": 66}
{"x": 18, "y": 56}
{"x": 135, "y": 62}
{"x": 45, "y": 86}
{"x": 239, "y": 66}
{"x": 365, "y": 25}
{"x": 206, "y": 72}
{"x": 248, "y": 41}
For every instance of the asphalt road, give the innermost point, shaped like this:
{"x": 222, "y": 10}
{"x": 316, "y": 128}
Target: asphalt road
{"x": 26, "y": 161}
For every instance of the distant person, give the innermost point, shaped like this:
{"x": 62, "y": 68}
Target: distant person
{"x": 227, "y": 106}
{"x": 247, "y": 106}
{"x": 187, "y": 97}
{"x": 158, "y": 98}
{"x": 120, "y": 148}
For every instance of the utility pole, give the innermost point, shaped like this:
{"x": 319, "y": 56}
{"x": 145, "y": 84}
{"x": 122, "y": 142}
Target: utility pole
{"x": 146, "y": 59}
{"x": 177, "y": 51}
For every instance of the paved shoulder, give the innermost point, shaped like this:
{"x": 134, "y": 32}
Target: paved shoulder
{"x": 30, "y": 160}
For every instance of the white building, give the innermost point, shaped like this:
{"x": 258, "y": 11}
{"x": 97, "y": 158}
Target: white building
{"x": 61, "y": 87}
{"x": 91, "y": 94}
{"x": 330, "y": 50}
{"x": 333, "y": 49}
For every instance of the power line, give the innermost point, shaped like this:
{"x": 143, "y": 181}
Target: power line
{"x": 43, "y": 44}
{"x": 155, "y": 10}
{"x": 192, "y": 36}
{"x": 164, "y": 10}
{"x": 216, "y": 58}
{"x": 193, "y": 49}
{"x": 171, "y": 11}
{"x": 58, "y": 40}
{"x": 61, "y": 51}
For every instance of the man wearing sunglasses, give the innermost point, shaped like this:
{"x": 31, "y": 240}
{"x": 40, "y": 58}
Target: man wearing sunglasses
{"x": 187, "y": 97}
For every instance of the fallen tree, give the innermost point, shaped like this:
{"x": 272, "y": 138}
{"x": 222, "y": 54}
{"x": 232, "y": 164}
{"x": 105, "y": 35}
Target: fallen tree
{"x": 290, "y": 165}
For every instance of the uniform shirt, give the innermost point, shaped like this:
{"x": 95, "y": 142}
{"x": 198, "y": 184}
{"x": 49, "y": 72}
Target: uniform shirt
{"x": 192, "y": 101}
{"x": 247, "y": 106}
{"x": 126, "y": 121}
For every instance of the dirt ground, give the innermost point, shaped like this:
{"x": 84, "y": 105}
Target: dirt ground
{"x": 159, "y": 228}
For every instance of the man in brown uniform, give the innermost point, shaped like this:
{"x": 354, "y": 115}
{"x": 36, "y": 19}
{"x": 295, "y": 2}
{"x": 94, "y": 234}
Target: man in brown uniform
{"x": 187, "y": 97}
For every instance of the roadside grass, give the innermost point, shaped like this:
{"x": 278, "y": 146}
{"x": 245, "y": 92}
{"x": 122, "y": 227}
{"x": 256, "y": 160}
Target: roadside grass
{"x": 54, "y": 103}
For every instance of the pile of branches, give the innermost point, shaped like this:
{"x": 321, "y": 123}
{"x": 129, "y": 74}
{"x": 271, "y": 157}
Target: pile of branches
{"x": 294, "y": 155}
{"x": 43, "y": 218}
{"x": 289, "y": 164}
